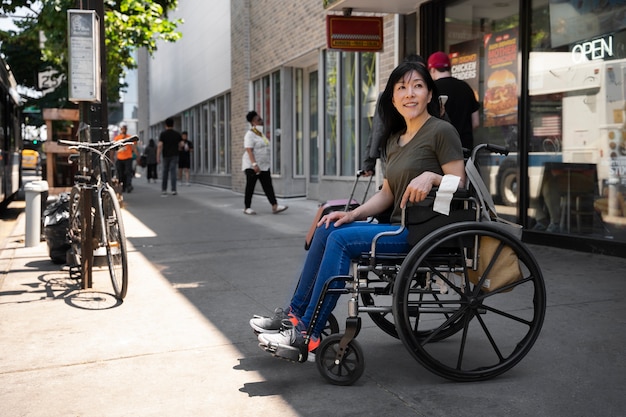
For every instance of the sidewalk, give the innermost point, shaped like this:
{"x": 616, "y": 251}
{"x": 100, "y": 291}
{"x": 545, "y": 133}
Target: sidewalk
{"x": 64, "y": 352}
{"x": 179, "y": 344}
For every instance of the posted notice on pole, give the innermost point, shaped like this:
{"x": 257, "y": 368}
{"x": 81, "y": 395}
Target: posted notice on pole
{"x": 84, "y": 59}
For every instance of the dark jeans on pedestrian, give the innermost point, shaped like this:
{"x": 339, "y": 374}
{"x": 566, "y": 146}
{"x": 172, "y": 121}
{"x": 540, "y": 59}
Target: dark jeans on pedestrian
{"x": 266, "y": 182}
{"x": 125, "y": 173}
{"x": 170, "y": 165}
{"x": 152, "y": 172}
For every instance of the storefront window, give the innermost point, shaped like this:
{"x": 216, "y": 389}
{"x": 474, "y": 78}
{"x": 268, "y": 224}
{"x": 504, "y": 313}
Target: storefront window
{"x": 267, "y": 104}
{"x": 204, "y": 140}
{"x": 348, "y": 128}
{"x": 298, "y": 151}
{"x": 219, "y": 139}
{"x": 577, "y": 100}
{"x": 208, "y": 127}
{"x": 330, "y": 117}
{"x": 350, "y": 97}
{"x": 313, "y": 128}
{"x": 483, "y": 44}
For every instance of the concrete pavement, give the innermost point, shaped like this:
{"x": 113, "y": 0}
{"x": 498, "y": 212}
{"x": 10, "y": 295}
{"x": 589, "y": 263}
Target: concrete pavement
{"x": 180, "y": 344}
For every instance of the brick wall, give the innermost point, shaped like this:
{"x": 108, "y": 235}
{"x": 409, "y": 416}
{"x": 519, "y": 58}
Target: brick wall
{"x": 265, "y": 36}
{"x": 239, "y": 97}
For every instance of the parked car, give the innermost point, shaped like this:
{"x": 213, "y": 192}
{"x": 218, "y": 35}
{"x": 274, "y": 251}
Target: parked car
{"x": 30, "y": 159}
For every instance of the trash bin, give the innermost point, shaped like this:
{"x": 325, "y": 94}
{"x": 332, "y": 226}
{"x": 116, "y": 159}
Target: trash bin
{"x": 56, "y": 225}
{"x": 36, "y": 195}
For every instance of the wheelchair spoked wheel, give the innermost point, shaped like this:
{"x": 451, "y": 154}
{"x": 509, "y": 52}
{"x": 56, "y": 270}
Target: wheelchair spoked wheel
{"x": 482, "y": 334}
{"x": 386, "y": 323}
{"x": 346, "y": 371}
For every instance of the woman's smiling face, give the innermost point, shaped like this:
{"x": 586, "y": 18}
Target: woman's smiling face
{"x": 411, "y": 95}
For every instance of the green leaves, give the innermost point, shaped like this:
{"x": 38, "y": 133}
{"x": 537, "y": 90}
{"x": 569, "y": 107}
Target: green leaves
{"x": 129, "y": 25}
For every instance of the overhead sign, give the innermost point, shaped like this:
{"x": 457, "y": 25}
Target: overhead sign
{"x": 84, "y": 55}
{"x": 354, "y": 33}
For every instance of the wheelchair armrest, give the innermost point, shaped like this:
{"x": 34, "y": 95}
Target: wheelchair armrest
{"x": 381, "y": 235}
{"x": 420, "y": 218}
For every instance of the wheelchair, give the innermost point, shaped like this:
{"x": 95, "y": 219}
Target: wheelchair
{"x": 467, "y": 301}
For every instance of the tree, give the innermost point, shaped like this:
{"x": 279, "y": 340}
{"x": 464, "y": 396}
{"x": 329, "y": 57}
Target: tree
{"x": 129, "y": 25}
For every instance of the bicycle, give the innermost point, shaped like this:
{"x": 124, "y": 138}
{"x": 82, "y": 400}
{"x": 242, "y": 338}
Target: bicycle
{"x": 96, "y": 226}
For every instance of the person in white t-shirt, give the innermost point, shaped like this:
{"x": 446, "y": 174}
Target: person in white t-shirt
{"x": 256, "y": 164}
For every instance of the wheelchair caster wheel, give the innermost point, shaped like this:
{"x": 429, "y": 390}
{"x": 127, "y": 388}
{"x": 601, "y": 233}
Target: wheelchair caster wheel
{"x": 340, "y": 372}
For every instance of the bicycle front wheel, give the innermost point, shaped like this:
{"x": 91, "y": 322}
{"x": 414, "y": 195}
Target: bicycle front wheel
{"x": 115, "y": 241}
{"x": 74, "y": 232}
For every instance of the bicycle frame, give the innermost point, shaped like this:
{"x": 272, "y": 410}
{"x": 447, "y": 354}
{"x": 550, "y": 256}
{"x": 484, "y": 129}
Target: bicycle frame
{"x": 93, "y": 182}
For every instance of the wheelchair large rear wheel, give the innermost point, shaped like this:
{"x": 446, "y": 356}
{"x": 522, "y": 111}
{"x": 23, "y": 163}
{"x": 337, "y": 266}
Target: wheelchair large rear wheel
{"x": 486, "y": 332}
{"x": 385, "y": 320}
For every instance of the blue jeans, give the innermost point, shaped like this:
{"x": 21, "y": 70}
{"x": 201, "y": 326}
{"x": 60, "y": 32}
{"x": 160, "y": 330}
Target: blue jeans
{"x": 170, "y": 165}
{"x": 330, "y": 255}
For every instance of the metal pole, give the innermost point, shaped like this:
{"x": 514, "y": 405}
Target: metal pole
{"x": 86, "y": 203}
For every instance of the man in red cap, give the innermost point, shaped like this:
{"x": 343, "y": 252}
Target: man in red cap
{"x": 461, "y": 106}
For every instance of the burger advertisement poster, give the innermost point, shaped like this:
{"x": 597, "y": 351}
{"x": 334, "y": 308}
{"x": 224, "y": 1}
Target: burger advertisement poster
{"x": 464, "y": 63}
{"x": 500, "y": 103}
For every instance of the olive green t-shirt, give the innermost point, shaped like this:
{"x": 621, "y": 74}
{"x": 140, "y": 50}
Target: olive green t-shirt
{"x": 435, "y": 144}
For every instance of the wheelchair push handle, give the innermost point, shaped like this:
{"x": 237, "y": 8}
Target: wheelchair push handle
{"x": 493, "y": 148}
{"x": 502, "y": 150}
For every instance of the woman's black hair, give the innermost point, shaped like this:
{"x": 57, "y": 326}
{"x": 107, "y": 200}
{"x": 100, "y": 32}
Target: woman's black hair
{"x": 393, "y": 121}
{"x": 251, "y": 115}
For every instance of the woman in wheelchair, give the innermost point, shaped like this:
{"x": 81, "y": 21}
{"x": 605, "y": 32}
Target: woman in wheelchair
{"x": 419, "y": 151}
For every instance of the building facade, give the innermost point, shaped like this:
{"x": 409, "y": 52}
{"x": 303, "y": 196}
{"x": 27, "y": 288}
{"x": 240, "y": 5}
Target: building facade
{"x": 548, "y": 74}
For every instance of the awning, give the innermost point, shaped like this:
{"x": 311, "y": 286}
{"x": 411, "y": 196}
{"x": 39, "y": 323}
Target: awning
{"x": 375, "y": 6}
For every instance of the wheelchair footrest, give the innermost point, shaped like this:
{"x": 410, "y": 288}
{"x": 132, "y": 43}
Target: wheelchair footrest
{"x": 290, "y": 353}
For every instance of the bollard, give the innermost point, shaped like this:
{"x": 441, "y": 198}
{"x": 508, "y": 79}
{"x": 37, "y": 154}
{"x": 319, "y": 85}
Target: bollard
{"x": 33, "y": 191}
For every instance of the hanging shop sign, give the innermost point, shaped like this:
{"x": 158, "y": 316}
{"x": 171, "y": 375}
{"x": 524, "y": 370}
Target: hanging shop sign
{"x": 354, "y": 33}
{"x": 593, "y": 50}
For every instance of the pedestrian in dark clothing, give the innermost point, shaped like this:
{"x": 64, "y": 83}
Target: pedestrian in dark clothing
{"x": 151, "y": 160}
{"x": 167, "y": 151}
{"x": 185, "y": 148}
{"x": 461, "y": 106}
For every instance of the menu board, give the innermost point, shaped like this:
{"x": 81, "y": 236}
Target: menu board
{"x": 500, "y": 102}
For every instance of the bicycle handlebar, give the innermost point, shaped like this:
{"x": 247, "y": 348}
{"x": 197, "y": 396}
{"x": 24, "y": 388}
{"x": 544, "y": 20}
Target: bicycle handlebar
{"x": 99, "y": 145}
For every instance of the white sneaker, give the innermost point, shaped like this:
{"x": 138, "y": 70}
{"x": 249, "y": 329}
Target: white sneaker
{"x": 249, "y": 211}
{"x": 279, "y": 209}
{"x": 288, "y": 336}
{"x": 264, "y": 324}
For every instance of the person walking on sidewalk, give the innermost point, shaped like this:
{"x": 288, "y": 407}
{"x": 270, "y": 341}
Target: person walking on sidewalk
{"x": 255, "y": 163}
{"x": 167, "y": 151}
{"x": 150, "y": 153}
{"x": 124, "y": 161}
{"x": 185, "y": 148}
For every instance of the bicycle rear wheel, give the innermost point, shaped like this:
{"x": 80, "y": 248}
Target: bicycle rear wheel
{"x": 115, "y": 242}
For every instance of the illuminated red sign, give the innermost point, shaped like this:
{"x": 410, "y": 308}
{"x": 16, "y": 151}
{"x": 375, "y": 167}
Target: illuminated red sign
{"x": 354, "y": 33}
